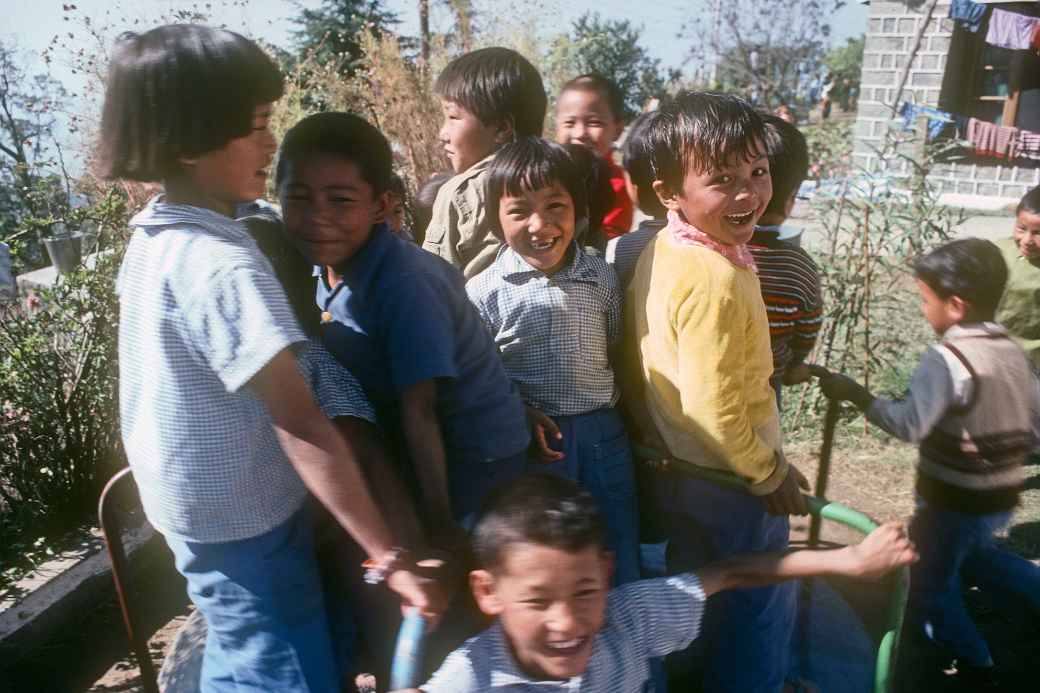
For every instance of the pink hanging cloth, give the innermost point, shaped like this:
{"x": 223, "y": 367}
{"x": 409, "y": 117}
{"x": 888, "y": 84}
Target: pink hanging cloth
{"x": 1011, "y": 30}
{"x": 993, "y": 140}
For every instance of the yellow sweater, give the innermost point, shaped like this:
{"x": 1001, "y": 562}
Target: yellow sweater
{"x": 698, "y": 349}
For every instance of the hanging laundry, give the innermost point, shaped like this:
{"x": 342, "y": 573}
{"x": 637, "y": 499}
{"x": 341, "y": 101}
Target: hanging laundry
{"x": 994, "y": 140}
{"x": 1034, "y": 43}
{"x": 937, "y": 120}
{"x": 1028, "y": 145}
{"x": 968, "y": 14}
{"x": 961, "y": 123}
{"x": 1011, "y": 30}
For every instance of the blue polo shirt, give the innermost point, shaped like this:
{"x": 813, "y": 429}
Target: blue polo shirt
{"x": 401, "y": 316}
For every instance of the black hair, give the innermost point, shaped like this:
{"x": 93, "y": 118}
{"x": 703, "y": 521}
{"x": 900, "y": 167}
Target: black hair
{"x": 397, "y": 186}
{"x": 788, "y": 161}
{"x": 179, "y": 90}
{"x": 543, "y": 509}
{"x": 702, "y": 132}
{"x": 599, "y": 195}
{"x": 972, "y": 269}
{"x": 605, "y": 87}
{"x": 531, "y": 163}
{"x": 636, "y": 160}
{"x": 1030, "y": 202}
{"x": 340, "y": 134}
{"x": 496, "y": 84}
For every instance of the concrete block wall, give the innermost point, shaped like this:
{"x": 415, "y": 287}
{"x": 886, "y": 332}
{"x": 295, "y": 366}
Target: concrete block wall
{"x": 891, "y": 29}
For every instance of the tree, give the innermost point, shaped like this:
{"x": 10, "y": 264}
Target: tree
{"x": 611, "y": 48}
{"x": 761, "y": 47}
{"x": 331, "y": 30}
{"x": 29, "y": 188}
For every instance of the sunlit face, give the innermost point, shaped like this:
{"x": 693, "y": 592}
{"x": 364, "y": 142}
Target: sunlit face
{"x": 465, "y": 138}
{"x": 329, "y": 208}
{"x": 583, "y": 117}
{"x": 551, "y": 604}
{"x": 1027, "y": 235}
{"x": 941, "y": 313}
{"x": 237, "y": 172}
{"x": 539, "y": 225}
{"x": 725, "y": 204}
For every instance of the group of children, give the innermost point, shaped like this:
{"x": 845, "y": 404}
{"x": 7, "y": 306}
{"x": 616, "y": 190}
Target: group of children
{"x": 482, "y": 392}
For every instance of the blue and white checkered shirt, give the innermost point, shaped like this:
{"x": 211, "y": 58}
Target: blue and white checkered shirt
{"x": 201, "y": 313}
{"x": 649, "y": 618}
{"x": 553, "y": 332}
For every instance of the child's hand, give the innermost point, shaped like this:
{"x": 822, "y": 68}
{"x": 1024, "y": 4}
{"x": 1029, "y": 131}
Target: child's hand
{"x": 884, "y": 549}
{"x": 796, "y": 375}
{"x": 420, "y": 592}
{"x": 842, "y": 387}
{"x": 542, "y": 429}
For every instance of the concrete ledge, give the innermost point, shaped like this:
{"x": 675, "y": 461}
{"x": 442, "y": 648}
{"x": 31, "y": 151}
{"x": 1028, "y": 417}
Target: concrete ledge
{"x": 58, "y": 591}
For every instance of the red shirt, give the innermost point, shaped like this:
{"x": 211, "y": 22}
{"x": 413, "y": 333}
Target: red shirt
{"x": 618, "y": 219}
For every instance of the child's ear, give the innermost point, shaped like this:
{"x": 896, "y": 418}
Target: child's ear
{"x": 666, "y": 195}
{"x": 504, "y": 131}
{"x": 482, "y": 584}
{"x": 607, "y": 559}
{"x": 958, "y": 308}
{"x": 384, "y": 203}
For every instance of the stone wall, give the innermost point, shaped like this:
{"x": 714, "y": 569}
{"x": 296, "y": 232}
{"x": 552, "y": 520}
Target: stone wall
{"x": 891, "y": 29}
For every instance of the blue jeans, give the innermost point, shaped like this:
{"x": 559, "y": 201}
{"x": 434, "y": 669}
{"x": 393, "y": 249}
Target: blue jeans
{"x": 747, "y": 634}
{"x": 598, "y": 456}
{"x": 265, "y": 611}
{"x": 958, "y": 547}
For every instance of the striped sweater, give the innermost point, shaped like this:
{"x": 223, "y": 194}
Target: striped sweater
{"x": 972, "y": 405}
{"x": 791, "y": 291}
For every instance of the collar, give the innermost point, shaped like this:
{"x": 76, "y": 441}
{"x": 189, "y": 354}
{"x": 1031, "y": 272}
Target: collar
{"x": 976, "y": 329}
{"x": 685, "y": 233}
{"x": 158, "y": 213}
{"x": 514, "y": 266}
{"x": 505, "y": 671}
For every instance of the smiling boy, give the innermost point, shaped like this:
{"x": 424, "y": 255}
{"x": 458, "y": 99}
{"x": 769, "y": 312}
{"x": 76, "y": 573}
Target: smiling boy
{"x": 1018, "y": 308}
{"x": 697, "y": 337}
{"x": 399, "y": 320}
{"x": 544, "y": 575}
{"x": 489, "y": 97}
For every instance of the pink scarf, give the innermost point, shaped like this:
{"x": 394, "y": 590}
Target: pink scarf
{"x": 684, "y": 233}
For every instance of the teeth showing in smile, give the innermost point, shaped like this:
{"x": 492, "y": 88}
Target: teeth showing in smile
{"x": 740, "y": 219}
{"x": 566, "y": 645}
{"x": 543, "y": 245}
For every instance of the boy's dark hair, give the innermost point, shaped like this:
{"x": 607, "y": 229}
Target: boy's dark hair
{"x": 703, "y": 131}
{"x": 542, "y": 509}
{"x": 598, "y": 194}
{"x": 496, "y": 84}
{"x": 397, "y": 186}
{"x": 177, "y": 91}
{"x": 636, "y": 160}
{"x": 531, "y": 163}
{"x": 972, "y": 269}
{"x": 788, "y": 161}
{"x": 340, "y": 134}
{"x": 606, "y": 88}
{"x": 1030, "y": 202}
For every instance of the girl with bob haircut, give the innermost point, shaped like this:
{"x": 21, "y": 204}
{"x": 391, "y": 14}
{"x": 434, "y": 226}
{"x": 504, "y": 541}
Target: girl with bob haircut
{"x": 220, "y": 428}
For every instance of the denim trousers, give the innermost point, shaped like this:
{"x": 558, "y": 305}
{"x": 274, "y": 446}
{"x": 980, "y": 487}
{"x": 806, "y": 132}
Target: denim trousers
{"x": 956, "y": 549}
{"x": 265, "y": 611}
{"x": 598, "y": 456}
{"x": 746, "y": 639}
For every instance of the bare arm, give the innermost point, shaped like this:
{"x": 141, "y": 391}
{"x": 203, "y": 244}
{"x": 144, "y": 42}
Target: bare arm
{"x": 885, "y": 548}
{"x": 422, "y": 430}
{"x": 329, "y": 468}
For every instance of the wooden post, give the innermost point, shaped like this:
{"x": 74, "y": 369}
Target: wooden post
{"x": 866, "y": 306}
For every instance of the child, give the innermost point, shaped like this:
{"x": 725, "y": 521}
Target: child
{"x": 489, "y": 96}
{"x": 544, "y": 573}
{"x": 1018, "y": 308}
{"x": 222, "y": 432}
{"x": 790, "y": 279}
{"x": 599, "y": 196}
{"x": 395, "y": 216}
{"x": 398, "y": 318}
{"x": 698, "y": 345}
{"x": 971, "y": 405}
{"x": 424, "y": 201}
{"x": 590, "y": 111}
{"x": 623, "y": 252}
{"x": 554, "y": 311}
